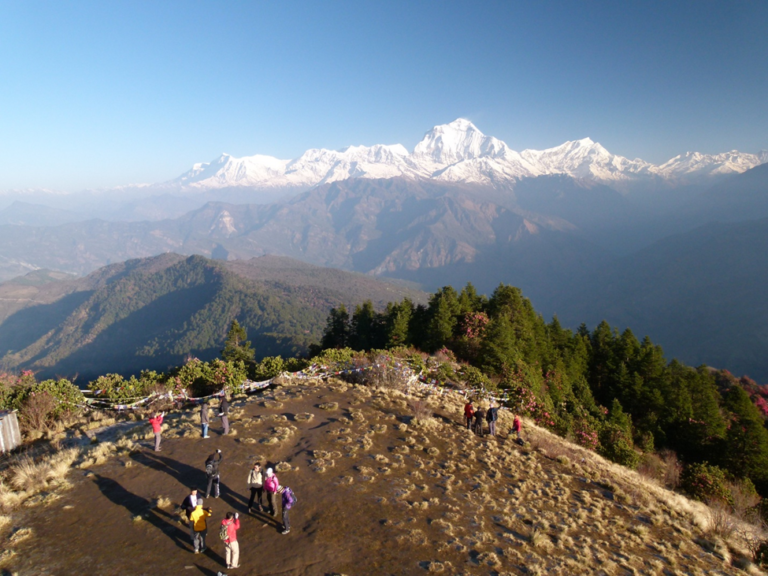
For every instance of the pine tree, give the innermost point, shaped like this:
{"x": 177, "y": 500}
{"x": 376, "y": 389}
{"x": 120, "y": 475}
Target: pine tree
{"x": 337, "y": 330}
{"x": 236, "y": 347}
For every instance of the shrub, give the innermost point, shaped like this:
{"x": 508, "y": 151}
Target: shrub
{"x": 705, "y": 482}
{"x": 616, "y": 445}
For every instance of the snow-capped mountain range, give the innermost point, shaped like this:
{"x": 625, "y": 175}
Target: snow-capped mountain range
{"x": 457, "y": 152}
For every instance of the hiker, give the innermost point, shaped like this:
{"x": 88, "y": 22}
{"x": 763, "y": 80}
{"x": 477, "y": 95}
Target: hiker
{"x": 199, "y": 518}
{"x": 479, "y": 419}
{"x": 271, "y": 485}
{"x": 204, "y": 417}
{"x": 517, "y": 426}
{"x": 256, "y": 484}
{"x": 212, "y": 471}
{"x": 229, "y": 527}
{"x": 188, "y": 505}
{"x": 492, "y": 417}
{"x": 469, "y": 413}
{"x": 288, "y": 501}
{"x": 224, "y": 413}
{"x": 157, "y": 427}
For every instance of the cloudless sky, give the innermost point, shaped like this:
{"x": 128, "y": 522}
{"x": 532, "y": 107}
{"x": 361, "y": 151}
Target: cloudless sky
{"x": 97, "y": 94}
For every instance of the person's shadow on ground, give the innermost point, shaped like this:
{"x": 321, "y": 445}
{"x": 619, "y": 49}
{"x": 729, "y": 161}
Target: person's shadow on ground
{"x": 143, "y": 508}
{"x": 190, "y": 476}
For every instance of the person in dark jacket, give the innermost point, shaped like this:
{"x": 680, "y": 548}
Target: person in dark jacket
{"x": 479, "y": 419}
{"x": 492, "y": 416}
{"x": 188, "y": 505}
{"x": 224, "y": 413}
{"x": 204, "y": 418}
{"x": 469, "y": 414}
{"x": 212, "y": 471}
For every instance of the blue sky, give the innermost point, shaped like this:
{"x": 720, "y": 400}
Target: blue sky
{"x": 96, "y": 94}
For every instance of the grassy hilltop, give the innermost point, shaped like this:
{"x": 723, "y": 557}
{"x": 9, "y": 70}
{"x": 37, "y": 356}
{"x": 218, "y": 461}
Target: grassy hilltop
{"x": 388, "y": 483}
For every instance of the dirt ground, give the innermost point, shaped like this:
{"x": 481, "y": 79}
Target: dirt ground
{"x": 378, "y": 493}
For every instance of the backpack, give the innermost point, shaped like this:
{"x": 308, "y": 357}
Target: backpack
{"x": 209, "y": 467}
{"x": 223, "y": 533}
{"x": 293, "y": 496}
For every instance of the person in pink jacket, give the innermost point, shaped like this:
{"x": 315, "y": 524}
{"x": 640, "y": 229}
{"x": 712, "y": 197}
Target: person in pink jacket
{"x": 232, "y": 548}
{"x": 157, "y": 428}
{"x": 271, "y": 485}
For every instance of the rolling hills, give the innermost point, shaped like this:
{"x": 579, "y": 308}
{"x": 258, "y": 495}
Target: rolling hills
{"x": 151, "y": 313}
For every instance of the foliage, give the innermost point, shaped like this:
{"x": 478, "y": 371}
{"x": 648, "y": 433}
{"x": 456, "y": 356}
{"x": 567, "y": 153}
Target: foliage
{"x": 705, "y": 482}
{"x": 198, "y": 378}
{"x": 236, "y": 346}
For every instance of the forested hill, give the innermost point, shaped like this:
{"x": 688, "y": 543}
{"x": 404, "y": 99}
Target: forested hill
{"x": 607, "y": 390}
{"x": 151, "y": 313}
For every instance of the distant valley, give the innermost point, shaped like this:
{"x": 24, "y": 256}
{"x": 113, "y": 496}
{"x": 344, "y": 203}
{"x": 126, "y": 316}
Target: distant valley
{"x": 674, "y": 251}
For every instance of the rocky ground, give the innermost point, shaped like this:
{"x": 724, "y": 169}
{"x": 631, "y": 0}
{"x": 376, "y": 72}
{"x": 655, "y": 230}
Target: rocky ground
{"x": 387, "y": 483}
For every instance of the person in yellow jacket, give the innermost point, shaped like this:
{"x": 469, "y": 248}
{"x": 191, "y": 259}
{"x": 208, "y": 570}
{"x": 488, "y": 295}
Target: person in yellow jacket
{"x": 199, "y": 521}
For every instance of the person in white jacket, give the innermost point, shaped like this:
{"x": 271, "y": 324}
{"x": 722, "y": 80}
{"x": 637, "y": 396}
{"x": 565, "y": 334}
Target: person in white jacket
{"x": 256, "y": 485}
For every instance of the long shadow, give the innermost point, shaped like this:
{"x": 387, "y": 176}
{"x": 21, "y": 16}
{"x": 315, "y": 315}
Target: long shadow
{"x": 190, "y": 476}
{"x": 139, "y": 506}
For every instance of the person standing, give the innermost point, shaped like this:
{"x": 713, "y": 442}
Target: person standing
{"x": 517, "y": 426}
{"x": 492, "y": 417}
{"x": 231, "y": 547}
{"x": 212, "y": 471}
{"x": 157, "y": 427}
{"x": 204, "y": 417}
{"x": 224, "y": 413}
{"x": 199, "y": 518}
{"x": 188, "y": 505}
{"x": 256, "y": 484}
{"x": 469, "y": 413}
{"x": 479, "y": 419}
{"x": 271, "y": 485}
{"x": 288, "y": 501}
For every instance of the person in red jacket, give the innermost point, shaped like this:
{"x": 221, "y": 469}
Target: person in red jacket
{"x": 517, "y": 426}
{"x": 469, "y": 413}
{"x": 232, "y": 548}
{"x": 157, "y": 428}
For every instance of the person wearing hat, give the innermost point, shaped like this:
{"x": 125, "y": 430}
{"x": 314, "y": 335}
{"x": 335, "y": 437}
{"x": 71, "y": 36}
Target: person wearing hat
{"x": 271, "y": 485}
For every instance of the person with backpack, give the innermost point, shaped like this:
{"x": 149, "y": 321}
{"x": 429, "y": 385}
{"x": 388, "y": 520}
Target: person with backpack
{"x": 271, "y": 485}
{"x": 289, "y": 499}
{"x": 188, "y": 505}
{"x": 469, "y": 413}
{"x": 204, "y": 417}
{"x": 224, "y": 413}
{"x": 479, "y": 419}
{"x": 199, "y": 518}
{"x": 228, "y": 533}
{"x": 492, "y": 416}
{"x": 157, "y": 427}
{"x": 212, "y": 471}
{"x": 256, "y": 485}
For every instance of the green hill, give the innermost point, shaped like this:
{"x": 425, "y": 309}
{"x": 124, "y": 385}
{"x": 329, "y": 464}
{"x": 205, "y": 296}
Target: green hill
{"x": 151, "y": 313}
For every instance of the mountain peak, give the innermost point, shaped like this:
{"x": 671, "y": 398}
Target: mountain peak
{"x": 460, "y": 140}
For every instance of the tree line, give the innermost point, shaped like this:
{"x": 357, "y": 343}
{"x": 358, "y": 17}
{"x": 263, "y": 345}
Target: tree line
{"x": 603, "y": 388}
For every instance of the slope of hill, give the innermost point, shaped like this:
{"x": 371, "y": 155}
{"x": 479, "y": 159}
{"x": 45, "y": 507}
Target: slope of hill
{"x": 701, "y": 295}
{"x": 379, "y": 492}
{"x": 149, "y": 314}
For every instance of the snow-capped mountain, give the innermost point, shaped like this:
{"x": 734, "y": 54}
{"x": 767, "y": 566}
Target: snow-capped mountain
{"x": 457, "y": 152}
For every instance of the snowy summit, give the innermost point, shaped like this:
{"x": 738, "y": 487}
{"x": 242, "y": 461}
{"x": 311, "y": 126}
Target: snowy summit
{"x": 456, "y": 152}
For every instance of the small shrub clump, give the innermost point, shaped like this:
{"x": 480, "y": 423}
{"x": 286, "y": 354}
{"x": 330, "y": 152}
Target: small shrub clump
{"x": 705, "y": 482}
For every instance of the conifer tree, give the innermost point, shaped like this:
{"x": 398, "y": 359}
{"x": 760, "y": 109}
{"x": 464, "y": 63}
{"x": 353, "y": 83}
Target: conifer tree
{"x": 236, "y": 347}
{"x": 337, "y": 330}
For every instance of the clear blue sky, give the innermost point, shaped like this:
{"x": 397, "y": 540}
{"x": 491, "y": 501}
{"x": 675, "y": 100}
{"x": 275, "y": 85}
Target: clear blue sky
{"x": 101, "y": 93}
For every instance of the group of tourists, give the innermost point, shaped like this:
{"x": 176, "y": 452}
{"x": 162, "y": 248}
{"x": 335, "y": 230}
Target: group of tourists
{"x": 475, "y": 419}
{"x": 265, "y": 490}
{"x": 259, "y": 483}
